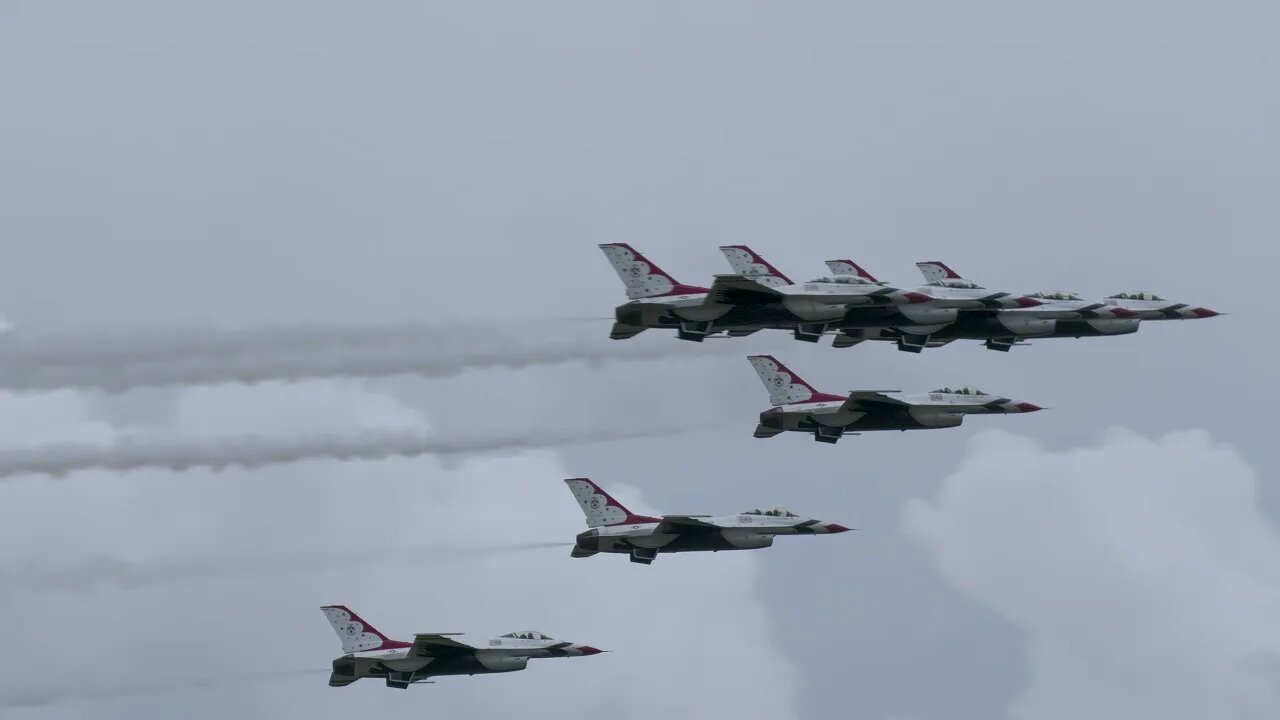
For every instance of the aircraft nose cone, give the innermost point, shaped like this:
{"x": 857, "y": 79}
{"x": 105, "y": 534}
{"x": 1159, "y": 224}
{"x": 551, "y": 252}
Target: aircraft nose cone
{"x": 915, "y": 297}
{"x": 1205, "y": 312}
{"x": 1027, "y": 302}
{"x": 835, "y": 528}
{"x": 1027, "y": 407}
{"x": 588, "y": 650}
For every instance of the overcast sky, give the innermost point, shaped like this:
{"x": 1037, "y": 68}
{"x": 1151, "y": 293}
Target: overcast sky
{"x": 165, "y": 164}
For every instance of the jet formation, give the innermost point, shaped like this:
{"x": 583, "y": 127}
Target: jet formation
{"x": 850, "y": 304}
{"x": 854, "y": 307}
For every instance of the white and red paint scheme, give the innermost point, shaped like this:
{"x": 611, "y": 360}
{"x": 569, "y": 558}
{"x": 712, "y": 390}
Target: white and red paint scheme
{"x": 368, "y": 653}
{"x": 798, "y": 407}
{"x": 615, "y": 529}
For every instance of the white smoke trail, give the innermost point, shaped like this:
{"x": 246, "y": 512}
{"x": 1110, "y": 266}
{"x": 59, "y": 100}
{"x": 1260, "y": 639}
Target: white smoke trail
{"x": 251, "y": 451}
{"x": 107, "y": 573}
{"x": 75, "y": 692}
{"x": 91, "y": 346}
{"x": 129, "y": 360}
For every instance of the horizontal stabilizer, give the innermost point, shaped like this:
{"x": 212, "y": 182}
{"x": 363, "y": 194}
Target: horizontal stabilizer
{"x": 741, "y": 290}
{"x": 437, "y": 644}
{"x": 863, "y": 398}
{"x": 676, "y": 523}
{"x": 766, "y": 432}
{"x": 622, "y": 331}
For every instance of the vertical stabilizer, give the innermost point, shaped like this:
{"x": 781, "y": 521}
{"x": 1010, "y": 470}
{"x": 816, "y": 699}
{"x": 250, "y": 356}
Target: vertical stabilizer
{"x": 936, "y": 271}
{"x": 356, "y": 634}
{"x": 784, "y": 386}
{"x": 642, "y": 278}
{"x": 849, "y": 267}
{"x": 746, "y": 261}
{"x": 600, "y": 507}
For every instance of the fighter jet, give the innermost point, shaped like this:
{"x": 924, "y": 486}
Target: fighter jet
{"x": 615, "y": 529}
{"x": 798, "y": 407}
{"x": 368, "y": 653}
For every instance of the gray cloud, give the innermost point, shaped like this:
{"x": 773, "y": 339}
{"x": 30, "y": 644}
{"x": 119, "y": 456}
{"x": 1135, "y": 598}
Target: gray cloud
{"x": 1142, "y": 571}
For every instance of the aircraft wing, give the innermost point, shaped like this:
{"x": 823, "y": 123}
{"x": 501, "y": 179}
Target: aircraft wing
{"x": 677, "y": 524}
{"x": 741, "y": 290}
{"x": 437, "y": 645}
{"x": 870, "y": 399}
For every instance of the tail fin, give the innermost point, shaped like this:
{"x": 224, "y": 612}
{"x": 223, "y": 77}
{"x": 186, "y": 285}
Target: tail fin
{"x": 784, "y": 386}
{"x": 849, "y": 267}
{"x": 600, "y": 508}
{"x": 937, "y": 271}
{"x": 746, "y": 261}
{"x": 356, "y": 634}
{"x": 642, "y": 278}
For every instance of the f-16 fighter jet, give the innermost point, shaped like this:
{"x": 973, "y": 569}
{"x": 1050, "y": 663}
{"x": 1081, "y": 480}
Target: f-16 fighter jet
{"x": 615, "y": 529}
{"x": 798, "y": 407}
{"x": 368, "y": 653}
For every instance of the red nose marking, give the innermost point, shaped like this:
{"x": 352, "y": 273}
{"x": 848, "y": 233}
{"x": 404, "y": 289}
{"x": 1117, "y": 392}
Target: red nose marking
{"x": 1027, "y": 302}
{"x": 1123, "y": 313}
{"x": 1205, "y": 313}
{"x": 588, "y": 650}
{"x": 834, "y": 528}
{"x": 1028, "y": 407}
{"x": 915, "y": 297}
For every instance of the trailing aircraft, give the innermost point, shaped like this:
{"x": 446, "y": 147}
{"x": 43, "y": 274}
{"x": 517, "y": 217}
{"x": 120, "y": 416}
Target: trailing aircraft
{"x": 368, "y": 653}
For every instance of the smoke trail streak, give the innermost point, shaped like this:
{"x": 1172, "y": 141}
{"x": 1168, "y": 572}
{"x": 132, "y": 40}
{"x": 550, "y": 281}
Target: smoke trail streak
{"x": 73, "y": 692}
{"x": 128, "y": 345}
{"x": 113, "y": 573}
{"x": 251, "y": 451}
{"x": 264, "y": 359}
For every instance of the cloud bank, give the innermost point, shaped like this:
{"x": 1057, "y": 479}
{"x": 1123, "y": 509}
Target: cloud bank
{"x": 1143, "y": 571}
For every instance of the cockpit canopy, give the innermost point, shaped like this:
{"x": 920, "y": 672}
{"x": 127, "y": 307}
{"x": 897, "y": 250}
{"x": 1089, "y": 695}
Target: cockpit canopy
{"x": 1138, "y": 295}
{"x": 527, "y": 635}
{"x": 844, "y": 280}
{"x": 959, "y": 391}
{"x": 1056, "y": 295}
{"x": 771, "y": 512}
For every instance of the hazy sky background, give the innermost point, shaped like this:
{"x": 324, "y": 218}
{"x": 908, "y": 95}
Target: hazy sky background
{"x": 243, "y": 162}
